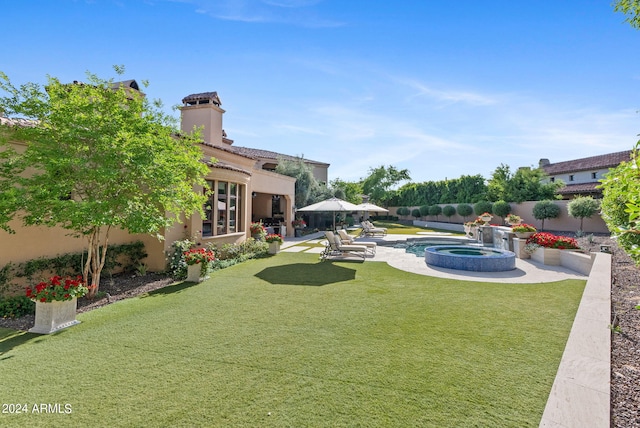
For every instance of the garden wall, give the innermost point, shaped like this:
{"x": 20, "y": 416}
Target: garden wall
{"x": 563, "y": 223}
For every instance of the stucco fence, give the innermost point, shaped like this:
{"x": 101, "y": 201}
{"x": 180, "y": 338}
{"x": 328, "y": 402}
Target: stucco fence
{"x": 564, "y": 222}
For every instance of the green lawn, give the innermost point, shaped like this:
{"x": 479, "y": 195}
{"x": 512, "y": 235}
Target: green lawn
{"x": 291, "y": 341}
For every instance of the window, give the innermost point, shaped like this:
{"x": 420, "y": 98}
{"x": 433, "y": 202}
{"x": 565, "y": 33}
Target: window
{"x": 223, "y": 209}
{"x": 553, "y": 179}
{"x": 571, "y": 178}
{"x": 594, "y": 175}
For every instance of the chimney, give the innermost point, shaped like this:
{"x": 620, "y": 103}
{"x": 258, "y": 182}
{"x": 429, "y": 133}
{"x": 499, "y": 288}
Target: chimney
{"x": 543, "y": 162}
{"x": 203, "y": 110}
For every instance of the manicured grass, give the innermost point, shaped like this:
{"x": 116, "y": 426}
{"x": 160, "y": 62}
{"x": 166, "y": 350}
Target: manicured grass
{"x": 291, "y": 341}
{"x": 398, "y": 228}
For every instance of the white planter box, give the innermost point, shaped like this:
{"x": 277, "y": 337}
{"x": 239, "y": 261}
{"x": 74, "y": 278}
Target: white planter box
{"x": 54, "y": 316}
{"x": 274, "y": 247}
{"x": 547, "y": 256}
{"x": 194, "y": 273}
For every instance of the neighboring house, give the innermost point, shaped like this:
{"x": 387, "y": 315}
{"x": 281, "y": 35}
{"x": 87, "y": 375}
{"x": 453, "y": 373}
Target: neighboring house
{"x": 242, "y": 191}
{"x": 582, "y": 176}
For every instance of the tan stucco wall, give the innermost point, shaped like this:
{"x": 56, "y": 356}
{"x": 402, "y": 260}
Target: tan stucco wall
{"x": 38, "y": 241}
{"x": 563, "y": 223}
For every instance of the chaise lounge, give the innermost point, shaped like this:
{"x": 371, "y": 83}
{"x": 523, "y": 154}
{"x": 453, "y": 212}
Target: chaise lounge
{"x": 368, "y": 229}
{"x": 335, "y": 248}
{"x": 349, "y": 240}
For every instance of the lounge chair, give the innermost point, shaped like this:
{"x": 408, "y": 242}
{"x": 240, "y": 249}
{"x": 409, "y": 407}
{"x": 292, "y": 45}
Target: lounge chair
{"x": 368, "y": 229}
{"x": 349, "y": 240}
{"x": 335, "y": 247}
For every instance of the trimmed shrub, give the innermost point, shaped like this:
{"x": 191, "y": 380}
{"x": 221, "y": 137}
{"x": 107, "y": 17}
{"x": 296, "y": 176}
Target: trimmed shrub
{"x": 482, "y": 207}
{"x": 449, "y": 211}
{"x": 416, "y": 212}
{"x": 464, "y": 210}
{"x": 501, "y": 209}
{"x": 544, "y": 210}
{"x": 435, "y": 210}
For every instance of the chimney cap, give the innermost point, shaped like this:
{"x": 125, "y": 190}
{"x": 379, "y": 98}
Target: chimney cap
{"x": 202, "y": 98}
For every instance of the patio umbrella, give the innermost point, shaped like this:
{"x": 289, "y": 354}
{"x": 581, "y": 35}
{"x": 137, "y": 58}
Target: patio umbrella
{"x": 369, "y": 207}
{"x": 331, "y": 205}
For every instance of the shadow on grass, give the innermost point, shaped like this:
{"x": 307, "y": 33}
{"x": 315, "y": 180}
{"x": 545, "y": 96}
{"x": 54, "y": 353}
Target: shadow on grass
{"x": 306, "y": 274}
{"x": 10, "y": 339}
{"x": 169, "y": 289}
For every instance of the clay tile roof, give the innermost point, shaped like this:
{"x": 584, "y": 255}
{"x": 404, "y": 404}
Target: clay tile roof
{"x": 267, "y": 154}
{"x": 594, "y": 162}
{"x": 223, "y": 165}
{"x": 8, "y": 121}
{"x": 581, "y": 188}
{"x": 211, "y": 97}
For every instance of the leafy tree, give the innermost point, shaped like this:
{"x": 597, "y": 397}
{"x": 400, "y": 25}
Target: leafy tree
{"x": 482, "y": 207}
{"x": 98, "y": 156}
{"x": 621, "y": 204}
{"x": 497, "y": 187}
{"x": 351, "y": 191}
{"x": 631, "y": 8}
{"x": 544, "y": 210}
{"x": 435, "y": 210}
{"x": 526, "y": 184}
{"x": 449, "y": 211}
{"x": 501, "y": 209}
{"x": 307, "y": 188}
{"x": 415, "y": 212}
{"x": 583, "y": 207}
{"x": 380, "y": 180}
{"x": 464, "y": 210}
{"x": 424, "y": 210}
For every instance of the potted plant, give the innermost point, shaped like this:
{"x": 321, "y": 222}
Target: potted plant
{"x": 274, "y": 240}
{"x": 197, "y": 260}
{"x": 299, "y": 223}
{"x": 513, "y": 219}
{"x": 523, "y": 230}
{"x": 545, "y": 247}
{"x": 258, "y": 231}
{"x": 56, "y": 303}
{"x": 485, "y": 217}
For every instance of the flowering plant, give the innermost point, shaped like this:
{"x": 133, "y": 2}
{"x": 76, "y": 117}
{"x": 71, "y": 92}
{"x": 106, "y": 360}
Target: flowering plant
{"x": 274, "y": 237}
{"x": 471, "y": 224}
{"x": 257, "y": 228}
{"x": 513, "y": 219}
{"x": 57, "y": 289}
{"x": 196, "y": 256}
{"x": 299, "y": 223}
{"x": 548, "y": 240}
{"x": 523, "y": 228}
{"x": 485, "y": 214}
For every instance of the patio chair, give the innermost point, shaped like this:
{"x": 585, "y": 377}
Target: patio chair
{"x": 368, "y": 229}
{"x": 335, "y": 247}
{"x": 349, "y": 240}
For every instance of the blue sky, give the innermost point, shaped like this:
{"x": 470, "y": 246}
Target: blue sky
{"x": 441, "y": 88}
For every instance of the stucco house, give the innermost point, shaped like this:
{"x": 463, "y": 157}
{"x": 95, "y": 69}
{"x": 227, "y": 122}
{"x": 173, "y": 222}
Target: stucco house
{"x": 582, "y": 176}
{"x": 243, "y": 185}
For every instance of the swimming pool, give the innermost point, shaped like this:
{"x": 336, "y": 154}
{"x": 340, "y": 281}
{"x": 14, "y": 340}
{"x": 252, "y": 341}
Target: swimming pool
{"x": 479, "y": 259}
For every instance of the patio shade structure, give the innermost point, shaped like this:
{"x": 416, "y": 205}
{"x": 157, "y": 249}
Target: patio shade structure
{"x": 368, "y": 207}
{"x": 331, "y": 205}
